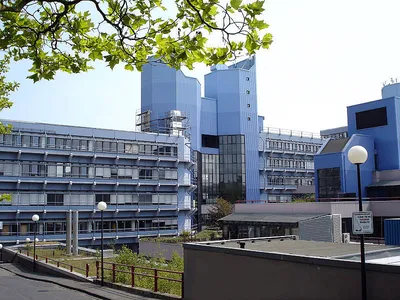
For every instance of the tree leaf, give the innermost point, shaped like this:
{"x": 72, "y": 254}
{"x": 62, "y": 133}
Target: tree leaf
{"x": 236, "y": 3}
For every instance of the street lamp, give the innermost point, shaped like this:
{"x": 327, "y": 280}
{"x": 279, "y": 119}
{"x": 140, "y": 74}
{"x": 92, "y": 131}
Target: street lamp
{"x": 35, "y": 218}
{"x": 102, "y": 206}
{"x": 358, "y": 155}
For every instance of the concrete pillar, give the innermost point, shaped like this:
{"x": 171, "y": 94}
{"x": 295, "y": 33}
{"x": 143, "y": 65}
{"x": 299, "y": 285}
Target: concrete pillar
{"x": 75, "y": 233}
{"x": 69, "y": 232}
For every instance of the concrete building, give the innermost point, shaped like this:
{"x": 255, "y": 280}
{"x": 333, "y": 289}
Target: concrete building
{"x": 287, "y": 268}
{"x": 375, "y": 126}
{"x": 237, "y": 158}
{"x": 55, "y": 171}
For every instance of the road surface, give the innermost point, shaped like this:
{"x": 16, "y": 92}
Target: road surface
{"x": 13, "y": 287}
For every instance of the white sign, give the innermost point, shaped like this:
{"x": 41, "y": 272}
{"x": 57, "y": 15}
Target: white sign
{"x": 363, "y": 222}
{"x": 1, "y": 224}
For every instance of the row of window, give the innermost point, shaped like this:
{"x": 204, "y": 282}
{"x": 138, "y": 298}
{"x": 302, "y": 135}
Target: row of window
{"x": 279, "y": 198}
{"x": 282, "y": 180}
{"x": 290, "y": 146}
{"x": 340, "y": 135}
{"x": 85, "y": 144}
{"x": 55, "y": 227}
{"x": 50, "y": 199}
{"x": 287, "y": 163}
{"x": 42, "y": 169}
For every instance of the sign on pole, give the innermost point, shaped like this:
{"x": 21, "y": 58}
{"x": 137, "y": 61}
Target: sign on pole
{"x": 1, "y": 224}
{"x": 363, "y": 222}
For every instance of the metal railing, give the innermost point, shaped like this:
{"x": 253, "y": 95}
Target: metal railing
{"x": 59, "y": 263}
{"x": 290, "y": 132}
{"x": 135, "y": 271}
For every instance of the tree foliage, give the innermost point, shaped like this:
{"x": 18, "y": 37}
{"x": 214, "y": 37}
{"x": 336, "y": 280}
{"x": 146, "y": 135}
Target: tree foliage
{"x": 304, "y": 198}
{"x": 126, "y": 258}
{"x": 67, "y": 35}
{"x": 220, "y": 209}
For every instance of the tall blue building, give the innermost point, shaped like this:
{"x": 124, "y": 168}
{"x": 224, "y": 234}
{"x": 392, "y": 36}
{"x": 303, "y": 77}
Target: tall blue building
{"x": 55, "y": 170}
{"x": 375, "y": 126}
{"x": 236, "y": 158}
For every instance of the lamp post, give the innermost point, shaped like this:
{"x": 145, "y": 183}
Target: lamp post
{"x": 1, "y": 252}
{"x": 102, "y": 206}
{"x": 358, "y": 155}
{"x": 35, "y": 218}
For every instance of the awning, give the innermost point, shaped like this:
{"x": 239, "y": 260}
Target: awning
{"x": 385, "y": 183}
{"x": 268, "y": 217}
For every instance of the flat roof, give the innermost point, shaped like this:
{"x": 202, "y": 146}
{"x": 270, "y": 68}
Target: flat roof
{"x": 269, "y": 217}
{"x": 287, "y": 245}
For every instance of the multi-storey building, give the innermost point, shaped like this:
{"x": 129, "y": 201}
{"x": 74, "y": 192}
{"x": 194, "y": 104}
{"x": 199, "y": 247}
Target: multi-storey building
{"x": 53, "y": 170}
{"x": 375, "y": 126}
{"x": 236, "y": 158}
{"x": 335, "y": 133}
{"x": 287, "y": 163}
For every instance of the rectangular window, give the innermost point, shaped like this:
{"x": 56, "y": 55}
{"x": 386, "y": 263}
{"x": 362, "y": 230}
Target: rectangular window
{"x": 103, "y": 197}
{"x": 26, "y": 141}
{"x": 329, "y": 182}
{"x": 75, "y": 144}
{"x": 210, "y": 141}
{"x": 55, "y": 199}
{"x": 371, "y": 118}
{"x": 51, "y": 142}
{"x": 83, "y": 145}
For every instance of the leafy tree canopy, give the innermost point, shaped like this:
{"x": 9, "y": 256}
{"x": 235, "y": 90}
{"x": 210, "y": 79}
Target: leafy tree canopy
{"x": 67, "y": 35}
{"x": 220, "y": 209}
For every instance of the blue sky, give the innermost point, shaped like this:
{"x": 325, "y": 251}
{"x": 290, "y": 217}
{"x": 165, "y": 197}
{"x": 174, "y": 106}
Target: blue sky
{"x": 326, "y": 55}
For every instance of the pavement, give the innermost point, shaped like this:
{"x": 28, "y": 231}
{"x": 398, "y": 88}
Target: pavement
{"x": 17, "y": 282}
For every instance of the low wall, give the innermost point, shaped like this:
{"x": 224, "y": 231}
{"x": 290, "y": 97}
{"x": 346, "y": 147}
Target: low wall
{"x": 226, "y": 273}
{"x": 155, "y": 249}
{"x": 11, "y": 256}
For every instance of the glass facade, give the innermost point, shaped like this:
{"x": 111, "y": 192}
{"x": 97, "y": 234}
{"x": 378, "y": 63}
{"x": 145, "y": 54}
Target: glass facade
{"x": 224, "y": 174}
{"x": 329, "y": 184}
{"x": 232, "y": 167}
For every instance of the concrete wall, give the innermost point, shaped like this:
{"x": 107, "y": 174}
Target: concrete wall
{"x": 223, "y": 273}
{"x": 11, "y": 256}
{"x": 155, "y": 249}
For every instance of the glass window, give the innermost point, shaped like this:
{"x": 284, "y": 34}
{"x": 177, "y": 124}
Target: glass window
{"x": 99, "y": 146}
{"x": 26, "y": 141}
{"x": 83, "y": 145}
{"x": 68, "y": 144}
{"x": 329, "y": 182}
{"x": 17, "y": 140}
{"x": 106, "y": 146}
{"x": 55, "y": 199}
{"x": 59, "y": 143}
{"x": 121, "y": 147}
{"x": 113, "y": 146}
{"x": 51, "y": 142}
{"x": 75, "y": 171}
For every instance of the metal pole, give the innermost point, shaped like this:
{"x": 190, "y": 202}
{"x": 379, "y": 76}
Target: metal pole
{"x": 362, "y": 246}
{"x": 34, "y": 248}
{"x": 69, "y": 232}
{"x": 102, "y": 265}
{"x": 75, "y": 233}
